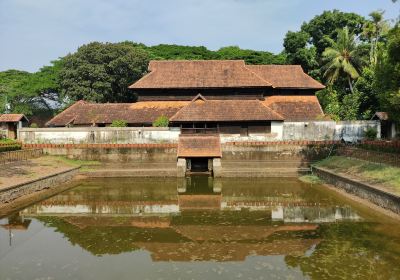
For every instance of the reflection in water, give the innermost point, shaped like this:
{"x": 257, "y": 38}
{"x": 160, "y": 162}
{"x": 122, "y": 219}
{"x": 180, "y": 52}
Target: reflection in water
{"x": 309, "y": 230}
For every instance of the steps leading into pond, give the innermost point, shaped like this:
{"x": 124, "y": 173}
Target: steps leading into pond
{"x": 144, "y": 171}
{"x": 264, "y": 172}
{"x": 265, "y": 164}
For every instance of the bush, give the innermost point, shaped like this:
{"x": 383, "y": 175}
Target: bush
{"x": 33, "y": 125}
{"x": 7, "y": 141}
{"x": 161, "y": 121}
{"x": 371, "y": 133}
{"x": 119, "y": 123}
{"x": 8, "y": 148}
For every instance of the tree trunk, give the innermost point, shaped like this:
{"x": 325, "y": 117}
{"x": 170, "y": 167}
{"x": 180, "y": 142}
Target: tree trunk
{"x": 350, "y": 84}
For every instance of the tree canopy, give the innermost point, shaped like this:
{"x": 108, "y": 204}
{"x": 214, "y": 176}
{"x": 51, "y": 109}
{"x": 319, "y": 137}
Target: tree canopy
{"x": 102, "y": 72}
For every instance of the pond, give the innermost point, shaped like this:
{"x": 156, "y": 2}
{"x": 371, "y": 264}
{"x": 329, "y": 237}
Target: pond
{"x": 198, "y": 228}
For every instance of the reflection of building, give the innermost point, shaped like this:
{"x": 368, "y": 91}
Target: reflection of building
{"x": 287, "y": 204}
{"x": 16, "y": 222}
{"x": 193, "y": 219}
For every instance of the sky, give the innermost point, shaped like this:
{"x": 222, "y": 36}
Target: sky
{"x": 35, "y": 32}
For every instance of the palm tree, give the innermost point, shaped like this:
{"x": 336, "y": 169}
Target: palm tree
{"x": 342, "y": 58}
{"x": 373, "y": 31}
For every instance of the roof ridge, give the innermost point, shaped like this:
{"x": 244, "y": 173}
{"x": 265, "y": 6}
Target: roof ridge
{"x": 81, "y": 101}
{"x": 258, "y": 76}
{"x": 198, "y": 96}
{"x": 272, "y": 110}
{"x": 143, "y": 78}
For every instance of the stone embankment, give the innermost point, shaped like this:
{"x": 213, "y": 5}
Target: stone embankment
{"x": 373, "y": 193}
{"x": 22, "y": 177}
{"x": 239, "y": 159}
{"x": 10, "y": 193}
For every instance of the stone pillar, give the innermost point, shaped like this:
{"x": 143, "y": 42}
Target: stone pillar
{"x": 210, "y": 164}
{"x": 181, "y": 185}
{"x": 217, "y": 186}
{"x": 217, "y": 168}
{"x": 393, "y": 133}
{"x": 181, "y": 167}
{"x": 378, "y": 130}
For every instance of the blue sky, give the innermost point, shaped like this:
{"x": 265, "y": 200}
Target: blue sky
{"x": 34, "y": 32}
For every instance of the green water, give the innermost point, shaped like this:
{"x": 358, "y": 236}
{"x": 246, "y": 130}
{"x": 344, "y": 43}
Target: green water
{"x": 198, "y": 228}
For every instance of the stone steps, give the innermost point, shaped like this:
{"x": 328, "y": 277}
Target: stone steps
{"x": 264, "y": 172}
{"x": 150, "y": 172}
{"x": 264, "y": 164}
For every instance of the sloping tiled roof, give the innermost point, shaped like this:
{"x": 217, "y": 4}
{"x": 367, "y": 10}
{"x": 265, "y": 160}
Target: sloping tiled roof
{"x": 12, "y": 117}
{"x": 199, "y": 74}
{"x": 204, "y": 110}
{"x": 286, "y": 76}
{"x": 296, "y": 108}
{"x": 85, "y": 113}
{"x": 223, "y": 74}
{"x": 383, "y": 116}
{"x": 199, "y": 146}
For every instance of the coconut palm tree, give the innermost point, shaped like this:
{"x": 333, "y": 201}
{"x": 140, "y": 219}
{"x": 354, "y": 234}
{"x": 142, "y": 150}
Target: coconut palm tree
{"x": 342, "y": 59}
{"x": 373, "y": 30}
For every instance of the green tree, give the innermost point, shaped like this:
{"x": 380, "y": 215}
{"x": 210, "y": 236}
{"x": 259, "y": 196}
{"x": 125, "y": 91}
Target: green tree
{"x": 373, "y": 30}
{"x": 298, "y": 51}
{"x": 325, "y": 27}
{"x": 306, "y": 46}
{"x": 175, "y": 52}
{"x": 161, "y": 121}
{"x": 342, "y": 58}
{"x": 250, "y": 56}
{"x": 119, "y": 123}
{"x": 102, "y": 72}
{"x": 329, "y": 101}
{"x": 368, "y": 96}
{"x": 31, "y": 92}
{"x": 387, "y": 75}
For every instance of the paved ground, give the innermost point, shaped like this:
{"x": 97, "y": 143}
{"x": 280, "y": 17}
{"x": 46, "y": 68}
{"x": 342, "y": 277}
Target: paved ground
{"x": 23, "y": 171}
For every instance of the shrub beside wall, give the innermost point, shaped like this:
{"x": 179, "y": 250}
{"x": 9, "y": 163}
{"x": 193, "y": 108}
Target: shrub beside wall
{"x": 7, "y": 148}
{"x": 161, "y": 121}
{"x": 119, "y": 123}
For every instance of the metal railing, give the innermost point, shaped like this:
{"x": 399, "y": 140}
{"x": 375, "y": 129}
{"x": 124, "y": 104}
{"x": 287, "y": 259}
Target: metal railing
{"x": 369, "y": 155}
{"x": 20, "y": 155}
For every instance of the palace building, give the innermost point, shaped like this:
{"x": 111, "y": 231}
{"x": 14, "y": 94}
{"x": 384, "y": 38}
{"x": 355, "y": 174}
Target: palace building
{"x": 211, "y": 96}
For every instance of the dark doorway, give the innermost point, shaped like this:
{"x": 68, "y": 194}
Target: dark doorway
{"x": 199, "y": 164}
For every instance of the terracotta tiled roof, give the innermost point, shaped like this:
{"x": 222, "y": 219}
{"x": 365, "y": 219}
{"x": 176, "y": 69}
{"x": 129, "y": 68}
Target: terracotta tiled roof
{"x": 12, "y": 117}
{"x": 201, "y": 109}
{"x": 223, "y": 74}
{"x": 383, "y": 116}
{"x": 286, "y": 76}
{"x": 199, "y": 146}
{"x": 85, "y": 113}
{"x": 296, "y": 108}
{"x": 199, "y": 74}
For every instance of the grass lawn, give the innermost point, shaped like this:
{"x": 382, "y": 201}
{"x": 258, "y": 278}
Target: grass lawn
{"x": 386, "y": 175}
{"x": 75, "y": 162}
{"x": 311, "y": 179}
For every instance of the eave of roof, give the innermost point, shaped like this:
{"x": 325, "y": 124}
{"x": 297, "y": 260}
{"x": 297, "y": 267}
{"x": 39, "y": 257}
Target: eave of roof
{"x": 13, "y": 117}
